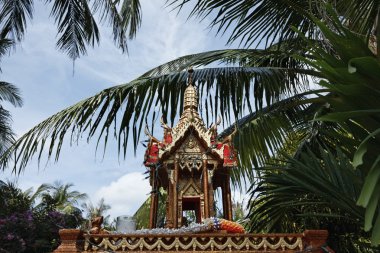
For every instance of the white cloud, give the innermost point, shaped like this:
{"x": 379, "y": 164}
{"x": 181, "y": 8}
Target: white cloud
{"x": 126, "y": 194}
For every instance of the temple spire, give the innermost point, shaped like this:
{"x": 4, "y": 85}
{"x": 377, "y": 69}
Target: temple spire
{"x": 190, "y": 96}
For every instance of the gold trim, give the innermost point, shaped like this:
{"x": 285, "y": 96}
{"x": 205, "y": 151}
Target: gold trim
{"x": 191, "y": 242}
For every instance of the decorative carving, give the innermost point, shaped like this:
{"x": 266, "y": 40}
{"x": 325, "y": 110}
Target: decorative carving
{"x": 190, "y": 148}
{"x": 199, "y": 242}
{"x": 310, "y": 240}
{"x": 191, "y": 189}
{"x": 190, "y": 161}
{"x": 191, "y": 144}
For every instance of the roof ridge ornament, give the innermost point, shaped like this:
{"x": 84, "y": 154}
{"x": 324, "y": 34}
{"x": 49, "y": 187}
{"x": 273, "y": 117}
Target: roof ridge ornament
{"x": 190, "y": 76}
{"x": 191, "y": 94}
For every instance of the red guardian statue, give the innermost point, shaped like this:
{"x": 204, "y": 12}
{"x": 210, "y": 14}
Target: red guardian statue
{"x": 151, "y": 153}
{"x": 168, "y": 138}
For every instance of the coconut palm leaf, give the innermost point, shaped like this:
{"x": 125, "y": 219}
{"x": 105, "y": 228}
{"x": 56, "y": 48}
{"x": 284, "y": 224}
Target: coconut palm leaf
{"x": 62, "y": 197}
{"x": 271, "y": 57}
{"x": 225, "y": 90}
{"x": 33, "y": 195}
{"x": 263, "y": 133}
{"x": 271, "y": 21}
{"x": 125, "y": 22}
{"x": 76, "y": 26}
{"x": 5, "y": 45}
{"x": 360, "y": 16}
{"x": 256, "y": 20}
{"x": 13, "y": 18}
{"x": 95, "y": 210}
{"x": 8, "y": 93}
{"x": 6, "y": 132}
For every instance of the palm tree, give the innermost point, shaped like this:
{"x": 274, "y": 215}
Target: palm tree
{"x": 61, "y": 197}
{"x": 100, "y": 209}
{"x": 265, "y": 91}
{"x": 76, "y": 24}
{"x": 94, "y": 211}
{"x": 8, "y": 93}
{"x": 34, "y": 195}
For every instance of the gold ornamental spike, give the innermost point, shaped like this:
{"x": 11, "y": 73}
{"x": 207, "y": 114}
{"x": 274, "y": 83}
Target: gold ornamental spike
{"x": 191, "y": 95}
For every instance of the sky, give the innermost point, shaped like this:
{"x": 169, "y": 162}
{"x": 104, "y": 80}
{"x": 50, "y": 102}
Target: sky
{"x": 47, "y": 82}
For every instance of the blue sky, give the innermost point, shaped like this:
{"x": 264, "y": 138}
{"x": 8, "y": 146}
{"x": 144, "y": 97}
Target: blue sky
{"x": 45, "y": 77}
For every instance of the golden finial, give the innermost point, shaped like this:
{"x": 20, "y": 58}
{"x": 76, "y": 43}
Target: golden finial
{"x": 190, "y": 96}
{"x": 190, "y": 78}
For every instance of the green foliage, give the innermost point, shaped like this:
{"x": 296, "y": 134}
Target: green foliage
{"x": 60, "y": 197}
{"x": 351, "y": 74}
{"x": 142, "y": 214}
{"x": 12, "y": 198}
{"x": 29, "y": 227}
{"x": 77, "y": 27}
{"x": 318, "y": 190}
{"x": 266, "y": 93}
{"x": 8, "y": 93}
{"x": 92, "y": 211}
{"x": 133, "y": 103}
{"x": 238, "y": 211}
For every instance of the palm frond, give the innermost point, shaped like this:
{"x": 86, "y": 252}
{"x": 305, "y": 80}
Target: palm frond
{"x": 225, "y": 90}
{"x": 5, "y": 45}
{"x": 264, "y": 133}
{"x": 33, "y": 195}
{"x": 6, "y": 133}
{"x": 76, "y": 26}
{"x": 131, "y": 13}
{"x": 13, "y": 18}
{"x": 254, "y": 21}
{"x": 125, "y": 22}
{"x": 272, "y": 21}
{"x": 61, "y": 196}
{"x": 360, "y": 15}
{"x": 271, "y": 57}
{"x": 10, "y": 93}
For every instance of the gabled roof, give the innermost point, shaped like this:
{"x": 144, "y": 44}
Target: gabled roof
{"x": 190, "y": 121}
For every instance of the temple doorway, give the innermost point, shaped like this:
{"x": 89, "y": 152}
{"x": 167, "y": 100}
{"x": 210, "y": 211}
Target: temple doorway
{"x": 191, "y": 209}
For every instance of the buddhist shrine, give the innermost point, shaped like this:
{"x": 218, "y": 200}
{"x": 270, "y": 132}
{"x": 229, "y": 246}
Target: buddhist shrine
{"x": 190, "y": 164}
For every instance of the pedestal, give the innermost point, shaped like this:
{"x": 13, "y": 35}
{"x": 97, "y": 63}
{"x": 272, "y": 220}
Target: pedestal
{"x": 72, "y": 241}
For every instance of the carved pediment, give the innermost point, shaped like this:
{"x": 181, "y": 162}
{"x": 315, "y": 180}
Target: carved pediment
{"x": 191, "y": 190}
{"x": 190, "y": 162}
{"x": 190, "y": 145}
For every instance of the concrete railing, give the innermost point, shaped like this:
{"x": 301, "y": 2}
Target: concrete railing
{"x": 76, "y": 241}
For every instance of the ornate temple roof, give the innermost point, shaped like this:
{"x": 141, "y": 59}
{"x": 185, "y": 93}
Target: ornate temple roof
{"x": 190, "y": 118}
{"x": 190, "y": 121}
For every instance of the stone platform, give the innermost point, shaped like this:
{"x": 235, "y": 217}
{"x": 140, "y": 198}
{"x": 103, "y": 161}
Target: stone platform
{"x": 74, "y": 241}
